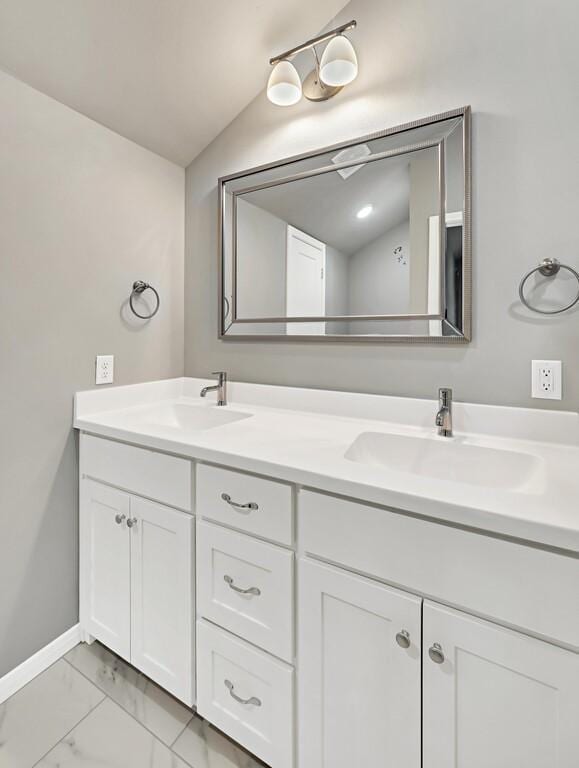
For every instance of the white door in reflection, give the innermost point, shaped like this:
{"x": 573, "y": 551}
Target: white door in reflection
{"x": 305, "y": 282}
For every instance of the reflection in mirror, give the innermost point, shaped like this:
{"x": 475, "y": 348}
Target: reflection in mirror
{"x": 347, "y": 243}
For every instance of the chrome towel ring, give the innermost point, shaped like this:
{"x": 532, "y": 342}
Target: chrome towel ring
{"x": 548, "y": 268}
{"x": 138, "y": 287}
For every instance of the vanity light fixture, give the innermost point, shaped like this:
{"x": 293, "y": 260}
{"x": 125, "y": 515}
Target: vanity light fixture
{"x": 337, "y": 68}
{"x": 364, "y": 212}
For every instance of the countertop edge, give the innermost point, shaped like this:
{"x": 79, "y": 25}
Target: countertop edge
{"x": 525, "y": 532}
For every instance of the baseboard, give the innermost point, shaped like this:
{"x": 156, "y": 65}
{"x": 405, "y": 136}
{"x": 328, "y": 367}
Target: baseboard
{"x": 29, "y": 669}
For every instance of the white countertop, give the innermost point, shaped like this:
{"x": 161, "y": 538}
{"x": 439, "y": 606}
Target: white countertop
{"x": 302, "y": 436}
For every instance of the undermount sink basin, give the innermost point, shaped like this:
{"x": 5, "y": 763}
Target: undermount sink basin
{"x": 450, "y": 459}
{"x": 182, "y": 417}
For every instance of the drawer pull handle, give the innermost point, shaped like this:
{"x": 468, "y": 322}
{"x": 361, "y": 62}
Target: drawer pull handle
{"x": 231, "y": 688}
{"x": 250, "y": 505}
{"x": 403, "y": 638}
{"x": 436, "y": 653}
{"x": 119, "y": 519}
{"x": 251, "y": 591}
{"x": 132, "y": 521}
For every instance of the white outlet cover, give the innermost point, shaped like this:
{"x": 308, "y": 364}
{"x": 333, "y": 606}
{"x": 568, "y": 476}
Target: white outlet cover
{"x": 104, "y": 369}
{"x": 547, "y": 379}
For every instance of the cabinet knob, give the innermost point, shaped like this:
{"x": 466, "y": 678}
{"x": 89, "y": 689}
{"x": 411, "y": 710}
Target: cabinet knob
{"x": 119, "y": 519}
{"x": 403, "y": 638}
{"x": 131, "y": 522}
{"x": 436, "y": 653}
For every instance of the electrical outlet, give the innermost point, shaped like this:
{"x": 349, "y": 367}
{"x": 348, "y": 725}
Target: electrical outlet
{"x": 546, "y": 379}
{"x": 105, "y": 368}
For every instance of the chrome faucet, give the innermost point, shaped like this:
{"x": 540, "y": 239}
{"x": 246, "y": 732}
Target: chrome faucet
{"x": 220, "y": 387}
{"x": 444, "y": 415}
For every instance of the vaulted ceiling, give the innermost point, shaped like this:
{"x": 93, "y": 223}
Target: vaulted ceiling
{"x": 168, "y": 74}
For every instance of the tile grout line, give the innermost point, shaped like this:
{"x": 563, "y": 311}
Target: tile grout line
{"x": 82, "y": 719}
{"x": 154, "y": 735}
{"x": 130, "y": 714}
{"x": 181, "y": 732}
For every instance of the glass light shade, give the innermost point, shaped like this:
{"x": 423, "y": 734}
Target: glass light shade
{"x": 284, "y": 86}
{"x": 339, "y": 65}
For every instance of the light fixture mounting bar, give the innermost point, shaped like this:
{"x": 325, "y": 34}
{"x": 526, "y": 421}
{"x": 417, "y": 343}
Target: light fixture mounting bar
{"x": 312, "y": 42}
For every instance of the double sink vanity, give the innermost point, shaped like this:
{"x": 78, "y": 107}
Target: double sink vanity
{"x": 329, "y": 581}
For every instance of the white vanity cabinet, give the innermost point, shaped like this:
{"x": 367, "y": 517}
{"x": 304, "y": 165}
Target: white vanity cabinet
{"x": 490, "y": 695}
{"x": 137, "y": 576}
{"x": 330, "y": 633}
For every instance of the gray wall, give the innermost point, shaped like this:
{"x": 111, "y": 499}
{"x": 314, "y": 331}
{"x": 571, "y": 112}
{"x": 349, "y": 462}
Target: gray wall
{"x": 83, "y": 213}
{"x": 378, "y": 284}
{"x": 336, "y": 288}
{"x": 261, "y": 263}
{"x": 516, "y": 64}
{"x": 424, "y": 203}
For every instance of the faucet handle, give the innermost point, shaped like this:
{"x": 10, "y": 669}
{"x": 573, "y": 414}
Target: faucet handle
{"x": 445, "y": 395}
{"x": 219, "y": 373}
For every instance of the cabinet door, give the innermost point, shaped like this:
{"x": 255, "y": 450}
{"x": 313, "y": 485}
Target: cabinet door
{"x": 105, "y": 566}
{"x": 162, "y": 606}
{"x": 359, "y": 690}
{"x": 493, "y": 697}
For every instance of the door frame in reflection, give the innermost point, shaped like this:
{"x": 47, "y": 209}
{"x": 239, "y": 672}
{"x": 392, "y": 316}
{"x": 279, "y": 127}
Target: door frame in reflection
{"x": 435, "y": 273}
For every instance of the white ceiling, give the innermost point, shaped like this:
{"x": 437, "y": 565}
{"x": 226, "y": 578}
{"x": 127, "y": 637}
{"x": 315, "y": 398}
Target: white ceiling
{"x": 168, "y": 74}
{"x": 325, "y": 206}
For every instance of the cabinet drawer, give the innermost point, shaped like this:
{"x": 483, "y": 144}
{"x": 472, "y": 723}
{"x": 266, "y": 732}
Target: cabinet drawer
{"x": 512, "y": 583}
{"x": 246, "y": 586}
{"x": 147, "y": 473}
{"x": 247, "y": 694}
{"x": 252, "y": 504}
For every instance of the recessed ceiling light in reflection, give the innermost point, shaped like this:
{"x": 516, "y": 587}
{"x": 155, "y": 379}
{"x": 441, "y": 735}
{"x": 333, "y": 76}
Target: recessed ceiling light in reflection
{"x": 364, "y": 212}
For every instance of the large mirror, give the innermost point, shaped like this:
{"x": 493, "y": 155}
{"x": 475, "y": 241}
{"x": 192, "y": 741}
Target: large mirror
{"x": 347, "y": 244}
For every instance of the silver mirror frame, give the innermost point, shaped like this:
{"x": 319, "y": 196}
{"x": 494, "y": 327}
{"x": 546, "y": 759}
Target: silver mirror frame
{"x": 459, "y": 337}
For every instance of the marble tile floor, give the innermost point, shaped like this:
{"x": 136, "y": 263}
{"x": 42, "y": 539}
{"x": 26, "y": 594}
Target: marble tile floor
{"x": 92, "y": 710}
